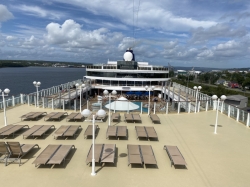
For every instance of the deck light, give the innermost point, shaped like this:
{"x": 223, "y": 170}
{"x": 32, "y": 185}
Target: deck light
{"x": 106, "y": 93}
{"x": 222, "y": 98}
{"x": 149, "y": 89}
{"x": 37, "y": 85}
{"x": 197, "y": 89}
{"x": 6, "y": 91}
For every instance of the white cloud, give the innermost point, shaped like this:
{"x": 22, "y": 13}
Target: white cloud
{"x": 10, "y": 38}
{"x": 39, "y": 12}
{"x": 71, "y": 34}
{"x": 5, "y": 14}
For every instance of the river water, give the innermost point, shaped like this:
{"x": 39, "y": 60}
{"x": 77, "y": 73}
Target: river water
{"x": 20, "y": 80}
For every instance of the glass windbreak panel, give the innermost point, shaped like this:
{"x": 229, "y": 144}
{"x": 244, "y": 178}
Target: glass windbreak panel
{"x": 173, "y": 107}
{"x": 202, "y": 106}
{"x": 210, "y": 104}
{"x": 245, "y": 117}
{"x": 225, "y": 108}
{"x": 242, "y": 116}
{"x": 233, "y": 112}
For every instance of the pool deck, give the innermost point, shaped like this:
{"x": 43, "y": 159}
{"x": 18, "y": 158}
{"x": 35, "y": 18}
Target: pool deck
{"x": 214, "y": 160}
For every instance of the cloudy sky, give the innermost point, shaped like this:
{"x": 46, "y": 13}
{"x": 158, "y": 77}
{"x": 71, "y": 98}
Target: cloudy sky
{"x": 199, "y": 33}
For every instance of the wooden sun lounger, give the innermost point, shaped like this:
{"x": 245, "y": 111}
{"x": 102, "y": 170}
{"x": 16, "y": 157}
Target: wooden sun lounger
{"x": 111, "y": 131}
{"x": 136, "y": 117}
{"x": 48, "y": 116}
{"x": 46, "y": 154}
{"x": 79, "y": 116}
{"x": 108, "y": 153}
{"x": 151, "y": 132}
{"x": 35, "y": 116}
{"x": 72, "y": 131}
{"x": 122, "y": 131}
{"x": 88, "y": 131}
{"x": 5, "y": 128}
{"x": 148, "y": 154}
{"x": 71, "y": 116}
{"x": 175, "y": 155}
{"x": 60, "y": 154}
{"x": 141, "y": 132}
{"x": 4, "y": 152}
{"x": 98, "y": 152}
{"x": 20, "y": 150}
{"x": 134, "y": 155}
{"x": 37, "y": 130}
{"x": 26, "y": 115}
{"x": 13, "y": 130}
{"x": 128, "y": 117}
{"x": 61, "y": 130}
{"x": 115, "y": 117}
{"x": 58, "y": 116}
{"x": 154, "y": 118}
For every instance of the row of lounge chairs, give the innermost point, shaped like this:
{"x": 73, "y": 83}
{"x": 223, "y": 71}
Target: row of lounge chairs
{"x": 146, "y": 132}
{"x": 104, "y": 153}
{"x": 11, "y": 129}
{"x": 77, "y": 116}
{"x": 141, "y": 154}
{"x": 9, "y": 149}
{"x": 117, "y": 132}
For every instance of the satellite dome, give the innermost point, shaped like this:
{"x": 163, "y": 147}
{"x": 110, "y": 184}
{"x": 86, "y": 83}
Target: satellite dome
{"x": 128, "y": 56}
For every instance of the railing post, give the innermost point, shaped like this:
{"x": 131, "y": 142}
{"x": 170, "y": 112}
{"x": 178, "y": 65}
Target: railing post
{"x": 13, "y": 100}
{"x": 198, "y": 106}
{"x": 75, "y": 105}
{"x": 206, "y": 105}
{"x": 154, "y": 107}
{"x": 189, "y": 107}
{"x": 248, "y": 119}
{"x": 179, "y": 107}
{"x": 28, "y": 96}
{"x": 52, "y": 103}
{"x": 21, "y": 96}
{"x": 166, "y": 107}
{"x": 63, "y": 105}
{"x": 43, "y": 101}
{"x": 228, "y": 111}
{"x": 35, "y": 100}
{"x": 238, "y": 114}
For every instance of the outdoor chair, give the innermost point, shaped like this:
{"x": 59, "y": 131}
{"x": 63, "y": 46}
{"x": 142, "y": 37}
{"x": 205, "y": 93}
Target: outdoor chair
{"x": 4, "y": 152}
{"x": 175, "y": 155}
{"x": 20, "y": 150}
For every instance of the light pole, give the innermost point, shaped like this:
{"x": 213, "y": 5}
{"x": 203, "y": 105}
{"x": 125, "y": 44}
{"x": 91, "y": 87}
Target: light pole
{"x": 37, "y": 85}
{"x": 196, "y": 95}
{"x": 86, "y": 113}
{"x": 105, "y": 92}
{"x": 149, "y": 89}
{"x": 6, "y": 91}
{"x": 222, "y": 98}
{"x": 81, "y": 86}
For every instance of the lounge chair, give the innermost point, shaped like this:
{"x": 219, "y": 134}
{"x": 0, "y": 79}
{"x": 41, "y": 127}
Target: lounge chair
{"x": 36, "y": 115}
{"x": 53, "y": 154}
{"x": 175, "y": 155}
{"x": 60, "y": 154}
{"x": 26, "y": 115}
{"x": 48, "y": 116}
{"x": 71, "y": 116}
{"x": 88, "y": 131}
{"x": 4, "y": 152}
{"x": 98, "y": 152}
{"x": 111, "y": 131}
{"x": 58, "y": 116}
{"x": 5, "y": 128}
{"x": 46, "y": 154}
{"x": 128, "y": 118}
{"x": 71, "y": 132}
{"x": 151, "y": 132}
{"x": 141, "y": 132}
{"x": 148, "y": 154}
{"x": 154, "y": 118}
{"x": 108, "y": 153}
{"x": 79, "y": 116}
{"x": 37, "y": 130}
{"x": 115, "y": 117}
{"x": 136, "y": 117}
{"x": 134, "y": 155}
{"x": 20, "y": 150}
{"x": 122, "y": 131}
{"x": 12, "y": 130}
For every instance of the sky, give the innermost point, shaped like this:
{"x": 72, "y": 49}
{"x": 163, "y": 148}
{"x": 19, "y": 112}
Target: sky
{"x": 190, "y": 33}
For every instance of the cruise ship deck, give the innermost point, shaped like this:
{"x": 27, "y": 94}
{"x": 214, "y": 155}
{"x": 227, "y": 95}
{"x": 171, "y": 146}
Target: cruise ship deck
{"x": 212, "y": 160}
